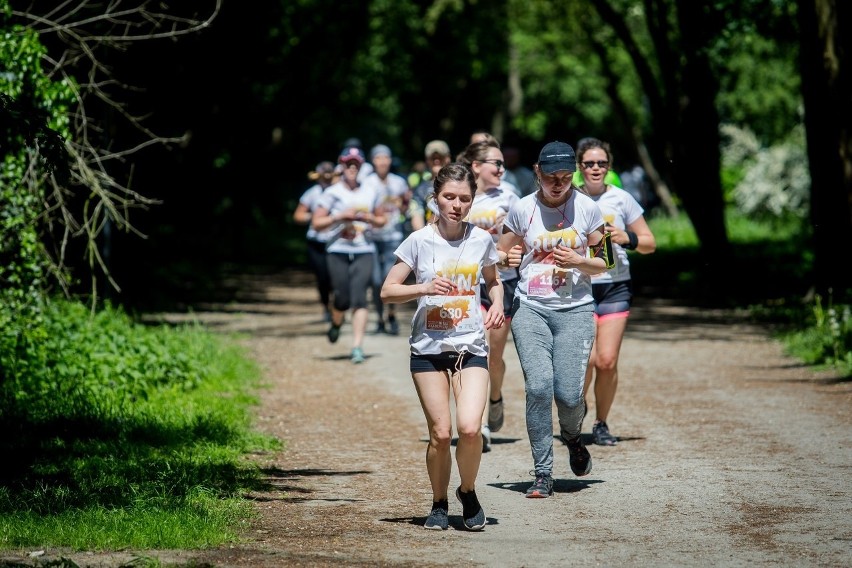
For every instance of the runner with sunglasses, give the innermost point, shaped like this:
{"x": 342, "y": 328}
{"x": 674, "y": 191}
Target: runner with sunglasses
{"x": 491, "y": 203}
{"x": 613, "y": 289}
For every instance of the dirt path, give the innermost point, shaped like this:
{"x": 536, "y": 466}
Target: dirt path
{"x": 731, "y": 454}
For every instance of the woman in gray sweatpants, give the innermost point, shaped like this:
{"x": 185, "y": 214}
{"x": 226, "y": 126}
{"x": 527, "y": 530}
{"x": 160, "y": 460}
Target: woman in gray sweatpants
{"x": 549, "y": 235}
{"x": 564, "y": 340}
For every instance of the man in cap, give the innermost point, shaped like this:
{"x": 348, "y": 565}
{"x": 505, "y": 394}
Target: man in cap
{"x": 437, "y": 156}
{"x": 392, "y": 190}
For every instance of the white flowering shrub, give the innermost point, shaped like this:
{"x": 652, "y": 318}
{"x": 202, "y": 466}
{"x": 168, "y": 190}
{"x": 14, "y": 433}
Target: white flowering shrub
{"x": 772, "y": 182}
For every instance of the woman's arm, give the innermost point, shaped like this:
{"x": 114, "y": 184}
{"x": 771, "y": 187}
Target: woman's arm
{"x": 395, "y": 291}
{"x": 302, "y": 215}
{"x": 494, "y": 317}
{"x": 322, "y": 219}
{"x": 596, "y": 264}
{"x": 510, "y": 249}
{"x": 641, "y": 240}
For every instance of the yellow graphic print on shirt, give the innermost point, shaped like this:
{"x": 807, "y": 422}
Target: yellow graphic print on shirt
{"x": 487, "y": 219}
{"x": 457, "y": 310}
{"x": 354, "y": 228}
{"x": 545, "y": 279}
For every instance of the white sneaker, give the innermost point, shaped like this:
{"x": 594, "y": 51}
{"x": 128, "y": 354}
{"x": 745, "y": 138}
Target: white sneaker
{"x": 486, "y": 438}
{"x": 495, "y": 415}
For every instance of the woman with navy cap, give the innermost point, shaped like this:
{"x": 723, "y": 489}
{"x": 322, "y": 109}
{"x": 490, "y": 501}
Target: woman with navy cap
{"x": 561, "y": 231}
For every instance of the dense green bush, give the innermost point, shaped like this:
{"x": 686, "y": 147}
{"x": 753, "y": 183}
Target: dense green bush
{"x": 142, "y": 429}
{"x": 826, "y": 340}
{"x": 33, "y": 121}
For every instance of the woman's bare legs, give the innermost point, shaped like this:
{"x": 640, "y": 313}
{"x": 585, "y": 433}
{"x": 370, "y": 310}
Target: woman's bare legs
{"x": 470, "y": 388}
{"x": 433, "y": 389}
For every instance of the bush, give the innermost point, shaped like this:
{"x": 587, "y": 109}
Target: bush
{"x": 112, "y": 420}
{"x": 768, "y": 183}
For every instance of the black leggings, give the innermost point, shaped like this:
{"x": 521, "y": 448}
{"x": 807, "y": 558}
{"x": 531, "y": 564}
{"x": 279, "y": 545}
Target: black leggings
{"x": 319, "y": 266}
{"x": 350, "y": 278}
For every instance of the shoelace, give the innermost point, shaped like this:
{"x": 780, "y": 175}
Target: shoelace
{"x": 539, "y": 477}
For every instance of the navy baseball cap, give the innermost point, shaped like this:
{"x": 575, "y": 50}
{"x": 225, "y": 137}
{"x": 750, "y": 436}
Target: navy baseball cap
{"x": 557, "y": 157}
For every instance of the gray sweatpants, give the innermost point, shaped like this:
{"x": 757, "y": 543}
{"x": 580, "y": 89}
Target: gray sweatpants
{"x": 553, "y": 347}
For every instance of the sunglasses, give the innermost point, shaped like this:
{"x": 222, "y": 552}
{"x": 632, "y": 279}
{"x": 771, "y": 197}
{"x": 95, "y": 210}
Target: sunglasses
{"x": 499, "y": 163}
{"x": 600, "y": 163}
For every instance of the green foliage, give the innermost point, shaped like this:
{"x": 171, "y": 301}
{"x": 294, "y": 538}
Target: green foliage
{"x": 768, "y": 247}
{"x": 827, "y": 339}
{"x": 129, "y": 435}
{"x": 33, "y": 119}
{"x": 758, "y": 74}
{"x": 817, "y": 334}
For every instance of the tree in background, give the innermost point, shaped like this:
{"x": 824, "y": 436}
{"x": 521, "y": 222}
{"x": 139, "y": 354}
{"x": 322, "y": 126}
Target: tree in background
{"x": 257, "y": 98}
{"x": 826, "y": 28}
{"x": 73, "y": 87}
{"x": 33, "y": 127}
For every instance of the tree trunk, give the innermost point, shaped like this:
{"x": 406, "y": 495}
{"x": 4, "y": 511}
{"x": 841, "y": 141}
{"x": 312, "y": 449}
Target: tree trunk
{"x": 826, "y": 45}
{"x": 697, "y": 159}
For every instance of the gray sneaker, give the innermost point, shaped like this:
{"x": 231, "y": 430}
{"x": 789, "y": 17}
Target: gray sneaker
{"x": 600, "y": 432}
{"x": 495, "y": 415}
{"x": 439, "y": 519}
{"x": 472, "y": 513}
{"x": 542, "y": 487}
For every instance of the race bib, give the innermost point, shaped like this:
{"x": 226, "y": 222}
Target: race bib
{"x": 448, "y": 313}
{"x": 547, "y": 279}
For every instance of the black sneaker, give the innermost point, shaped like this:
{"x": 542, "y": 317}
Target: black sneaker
{"x": 472, "y": 513}
{"x": 495, "y": 414}
{"x": 334, "y": 333}
{"x": 578, "y": 456}
{"x": 380, "y": 327}
{"x": 542, "y": 487}
{"x": 439, "y": 519}
{"x": 600, "y": 432}
{"x": 393, "y": 325}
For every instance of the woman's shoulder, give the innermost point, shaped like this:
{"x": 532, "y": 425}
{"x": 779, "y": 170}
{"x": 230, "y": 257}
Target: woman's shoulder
{"x": 524, "y": 202}
{"x": 479, "y": 233}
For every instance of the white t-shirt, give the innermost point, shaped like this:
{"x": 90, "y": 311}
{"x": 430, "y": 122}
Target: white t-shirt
{"x": 352, "y": 237}
{"x": 448, "y": 323}
{"x": 487, "y": 212}
{"x": 391, "y": 192}
{"x": 310, "y": 199}
{"x": 619, "y": 209}
{"x": 541, "y": 228}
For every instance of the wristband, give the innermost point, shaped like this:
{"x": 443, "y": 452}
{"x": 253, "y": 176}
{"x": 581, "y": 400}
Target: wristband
{"x": 634, "y": 240}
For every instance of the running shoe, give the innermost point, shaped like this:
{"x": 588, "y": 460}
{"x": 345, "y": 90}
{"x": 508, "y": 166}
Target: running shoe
{"x": 486, "y": 439}
{"x": 578, "y": 456}
{"x": 600, "y": 432}
{"x": 472, "y": 513}
{"x": 380, "y": 327}
{"x": 357, "y": 355}
{"x": 393, "y": 325}
{"x": 438, "y": 519}
{"x": 495, "y": 415}
{"x": 542, "y": 487}
{"x": 333, "y": 333}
